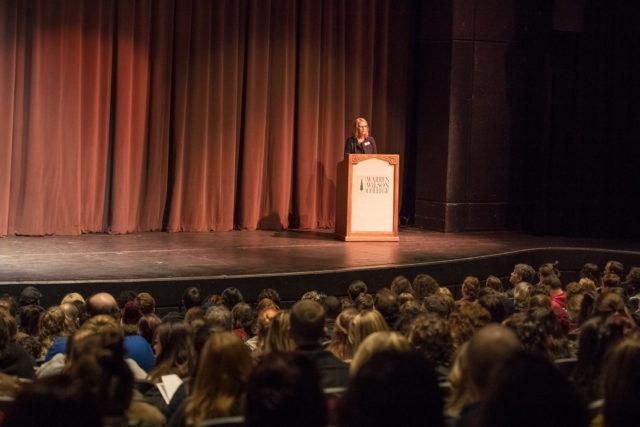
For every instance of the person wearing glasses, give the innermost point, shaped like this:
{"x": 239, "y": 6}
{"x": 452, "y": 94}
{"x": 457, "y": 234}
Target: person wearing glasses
{"x": 360, "y": 142}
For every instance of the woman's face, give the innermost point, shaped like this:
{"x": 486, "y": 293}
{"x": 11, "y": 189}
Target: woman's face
{"x": 363, "y": 129}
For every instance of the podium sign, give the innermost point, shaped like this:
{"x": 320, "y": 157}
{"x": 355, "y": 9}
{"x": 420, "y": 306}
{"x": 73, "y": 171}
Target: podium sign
{"x": 367, "y": 198}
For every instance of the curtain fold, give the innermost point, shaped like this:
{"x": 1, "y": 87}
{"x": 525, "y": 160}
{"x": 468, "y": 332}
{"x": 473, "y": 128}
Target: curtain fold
{"x": 191, "y": 115}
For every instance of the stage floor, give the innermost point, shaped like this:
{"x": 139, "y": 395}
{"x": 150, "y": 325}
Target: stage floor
{"x": 176, "y": 256}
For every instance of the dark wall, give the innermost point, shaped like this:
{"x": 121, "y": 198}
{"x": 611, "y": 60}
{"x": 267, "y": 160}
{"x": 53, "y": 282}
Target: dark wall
{"x": 529, "y": 117}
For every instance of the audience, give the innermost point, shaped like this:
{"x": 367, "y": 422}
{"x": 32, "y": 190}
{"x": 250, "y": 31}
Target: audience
{"x": 492, "y": 352}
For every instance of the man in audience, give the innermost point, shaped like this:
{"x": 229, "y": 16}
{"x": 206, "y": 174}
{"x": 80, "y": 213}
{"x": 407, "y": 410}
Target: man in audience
{"x": 218, "y": 319}
{"x": 103, "y": 303}
{"x": 307, "y": 329}
{"x": 386, "y": 302}
{"x": 522, "y": 273}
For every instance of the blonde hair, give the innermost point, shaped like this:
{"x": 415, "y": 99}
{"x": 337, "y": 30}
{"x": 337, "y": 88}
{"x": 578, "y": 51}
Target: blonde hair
{"x": 363, "y": 325}
{"x": 53, "y": 323}
{"x": 71, "y": 298}
{"x": 221, "y": 380}
{"x": 356, "y": 132}
{"x": 521, "y": 294}
{"x": 377, "y": 342}
{"x": 279, "y": 334}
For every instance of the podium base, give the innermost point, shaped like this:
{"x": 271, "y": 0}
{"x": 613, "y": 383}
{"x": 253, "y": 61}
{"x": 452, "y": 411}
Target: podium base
{"x": 369, "y": 237}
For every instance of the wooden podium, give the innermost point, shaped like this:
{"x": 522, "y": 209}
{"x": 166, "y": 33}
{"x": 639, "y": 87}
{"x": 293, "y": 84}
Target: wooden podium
{"x": 367, "y": 198}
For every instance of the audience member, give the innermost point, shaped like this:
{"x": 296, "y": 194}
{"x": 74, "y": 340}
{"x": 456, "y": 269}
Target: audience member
{"x": 339, "y": 344}
{"x": 621, "y": 384}
{"x": 173, "y": 346}
{"x": 14, "y": 360}
{"x": 231, "y": 296}
{"x": 356, "y": 288}
{"x": 364, "y": 324}
{"x": 375, "y": 343}
{"x": 218, "y": 317}
{"x": 400, "y": 285}
{"x": 364, "y": 301}
{"x": 470, "y": 289}
{"x": 424, "y": 285}
{"x": 279, "y": 335}
{"x": 430, "y": 335}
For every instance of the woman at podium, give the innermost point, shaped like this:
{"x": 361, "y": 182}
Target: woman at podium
{"x": 360, "y": 142}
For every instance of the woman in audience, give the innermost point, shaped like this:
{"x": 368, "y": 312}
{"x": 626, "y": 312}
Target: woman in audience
{"x": 521, "y": 293}
{"x": 363, "y": 325}
{"x": 14, "y": 360}
{"x": 529, "y": 390}
{"x": 173, "y": 346}
{"x": 470, "y": 289}
{"x": 339, "y": 344}
{"x": 392, "y": 389}
{"x": 284, "y": 390}
{"x": 458, "y": 393}
{"x": 621, "y": 385}
{"x": 279, "y": 334}
{"x": 431, "y": 336}
{"x": 220, "y": 383}
{"x": 466, "y": 320}
{"x": 375, "y": 343}
{"x": 147, "y": 326}
{"x": 53, "y": 323}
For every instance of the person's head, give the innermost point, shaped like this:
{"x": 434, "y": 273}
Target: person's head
{"x": 9, "y": 303}
{"x": 363, "y": 325}
{"x": 95, "y": 355}
{"x": 270, "y": 294}
{"x": 243, "y": 316}
{"x": 521, "y": 294}
{"x": 29, "y": 296}
{"x": 386, "y": 302}
{"x": 424, "y": 285}
{"x": 364, "y": 301}
{"x": 218, "y": 317}
{"x": 548, "y": 269}
{"x": 103, "y": 303}
{"x": 191, "y": 297}
{"x": 591, "y": 271}
{"x": 173, "y": 346}
{"x": 314, "y": 296}
{"x": 231, "y": 296}
{"x": 71, "y": 298}
{"x": 221, "y": 379}
{"x": 30, "y": 319}
{"x": 56, "y": 401}
{"x": 375, "y": 343}
{"x": 372, "y": 396}
{"x": 125, "y": 296}
{"x": 400, "y": 284}
{"x": 466, "y": 320}
{"x": 539, "y": 332}
{"x": 553, "y": 282}
{"x": 614, "y": 267}
{"x": 470, "y": 288}
{"x": 53, "y": 323}
{"x": 493, "y": 304}
{"x": 147, "y": 326}
{"x": 307, "y": 323}
{"x": 494, "y": 283}
{"x": 284, "y": 390}
{"x": 339, "y": 344}
{"x": 279, "y": 335}
{"x": 439, "y": 304}
{"x": 633, "y": 280}
{"x": 8, "y": 330}
{"x": 487, "y": 349}
{"x": 146, "y": 302}
{"x": 539, "y": 301}
{"x": 331, "y": 306}
{"x": 528, "y": 390}
{"x": 356, "y": 288}
{"x": 609, "y": 303}
{"x": 73, "y": 314}
{"x": 522, "y": 273}
{"x": 610, "y": 281}
{"x": 131, "y": 315}
{"x": 405, "y": 297}
{"x": 360, "y": 128}
{"x": 430, "y": 335}
{"x": 621, "y": 377}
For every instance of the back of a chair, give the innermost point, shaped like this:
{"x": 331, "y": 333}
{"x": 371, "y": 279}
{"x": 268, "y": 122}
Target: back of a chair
{"x": 222, "y": 422}
{"x": 566, "y": 365}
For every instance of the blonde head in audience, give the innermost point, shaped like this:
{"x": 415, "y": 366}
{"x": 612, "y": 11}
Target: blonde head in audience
{"x": 363, "y": 325}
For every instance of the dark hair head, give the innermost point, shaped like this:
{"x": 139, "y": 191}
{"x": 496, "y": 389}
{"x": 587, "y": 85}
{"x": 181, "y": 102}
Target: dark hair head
{"x": 356, "y": 288}
{"x": 553, "y": 282}
{"x": 621, "y": 377}
{"x": 284, "y": 390}
{"x": 126, "y": 296}
{"x": 494, "y": 306}
{"x": 526, "y": 272}
{"x": 439, "y": 304}
{"x": 611, "y": 280}
{"x": 271, "y": 294}
{"x": 386, "y": 302}
{"x": 191, "y": 297}
{"x": 401, "y": 284}
{"x": 147, "y": 326}
{"x": 591, "y": 271}
{"x": 548, "y": 269}
{"x": 372, "y": 396}
{"x": 307, "y": 322}
{"x": 430, "y": 334}
{"x": 615, "y": 267}
{"x": 177, "y": 354}
{"x": 231, "y": 297}
{"x": 471, "y": 287}
{"x": 494, "y": 283}
{"x": 529, "y": 388}
{"x": 364, "y": 301}
{"x": 30, "y": 319}
{"x": 424, "y": 285}
{"x": 332, "y": 306}
{"x": 243, "y": 316}
{"x": 56, "y": 401}
{"x": 30, "y": 296}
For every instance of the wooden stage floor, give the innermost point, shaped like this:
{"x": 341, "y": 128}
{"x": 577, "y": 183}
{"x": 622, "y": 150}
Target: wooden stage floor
{"x": 302, "y": 260}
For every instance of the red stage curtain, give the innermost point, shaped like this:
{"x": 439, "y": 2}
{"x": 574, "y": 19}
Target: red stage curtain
{"x": 191, "y": 115}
